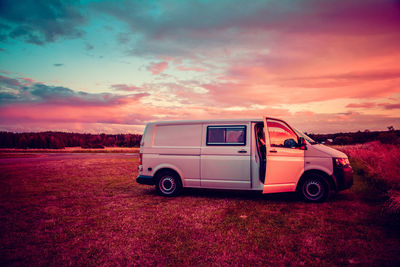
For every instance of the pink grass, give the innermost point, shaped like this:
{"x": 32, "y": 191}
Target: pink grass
{"x": 381, "y": 160}
{"x": 87, "y": 210}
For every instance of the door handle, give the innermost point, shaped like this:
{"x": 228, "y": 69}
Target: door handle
{"x": 273, "y": 151}
{"x": 242, "y": 151}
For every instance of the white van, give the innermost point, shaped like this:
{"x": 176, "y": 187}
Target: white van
{"x": 248, "y": 154}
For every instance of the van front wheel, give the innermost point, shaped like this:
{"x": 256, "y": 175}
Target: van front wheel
{"x": 314, "y": 188}
{"x": 168, "y": 184}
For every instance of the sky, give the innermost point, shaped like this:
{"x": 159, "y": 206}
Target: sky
{"x": 112, "y": 66}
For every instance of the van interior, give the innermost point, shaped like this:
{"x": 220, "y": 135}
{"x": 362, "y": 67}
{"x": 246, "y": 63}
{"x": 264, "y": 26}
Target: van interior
{"x": 261, "y": 150}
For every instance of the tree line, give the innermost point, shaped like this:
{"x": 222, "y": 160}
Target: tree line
{"x": 385, "y": 137}
{"x": 62, "y": 140}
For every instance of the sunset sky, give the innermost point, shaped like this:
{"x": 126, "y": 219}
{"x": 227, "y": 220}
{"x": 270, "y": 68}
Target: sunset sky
{"x": 112, "y": 66}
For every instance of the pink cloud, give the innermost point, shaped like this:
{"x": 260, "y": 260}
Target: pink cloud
{"x": 27, "y": 81}
{"x": 255, "y": 81}
{"x": 361, "y": 105}
{"x": 44, "y": 115}
{"x": 41, "y": 106}
{"x": 376, "y": 75}
{"x": 339, "y": 50}
{"x": 306, "y": 113}
{"x": 345, "y": 122}
{"x": 390, "y": 106}
{"x": 157, "y": 68}
{"x": 196, "y": 69}
{"x": 278, "y": 54}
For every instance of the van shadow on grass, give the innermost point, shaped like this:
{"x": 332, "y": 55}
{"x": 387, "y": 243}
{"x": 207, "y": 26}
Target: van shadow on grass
{"x": 237, "y": 195}
{"x": 288, "y": 197}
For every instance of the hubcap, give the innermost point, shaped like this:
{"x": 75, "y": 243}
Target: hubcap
{"x": 313, "y": 188}
{"x": 167, "y": 185}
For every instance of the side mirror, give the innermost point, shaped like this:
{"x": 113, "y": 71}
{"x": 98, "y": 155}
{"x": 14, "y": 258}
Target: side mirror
{"x": 290, "y": 143}
{"x": 302, "y": 143}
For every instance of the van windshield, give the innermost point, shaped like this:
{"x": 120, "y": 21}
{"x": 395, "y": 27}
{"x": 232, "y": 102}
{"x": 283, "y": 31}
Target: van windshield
{"x": 308, "y": 139}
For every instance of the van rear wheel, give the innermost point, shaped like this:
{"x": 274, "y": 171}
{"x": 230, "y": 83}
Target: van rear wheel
{"x": 314, "y": 188}
{"x": 168, "y": 184}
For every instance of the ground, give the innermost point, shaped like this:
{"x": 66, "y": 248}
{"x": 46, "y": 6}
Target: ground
{"x": 87, "y": 209}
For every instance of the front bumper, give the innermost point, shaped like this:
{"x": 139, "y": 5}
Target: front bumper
{"x": 344, "y": 177}
{"x": 145, "y": 179}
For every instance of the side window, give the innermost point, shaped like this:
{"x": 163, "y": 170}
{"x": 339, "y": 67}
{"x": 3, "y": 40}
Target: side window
{"x": 226, "y": 135}
{"x": 280, "y": 135}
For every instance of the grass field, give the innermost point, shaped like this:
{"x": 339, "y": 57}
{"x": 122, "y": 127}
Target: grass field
{"x": 90, "y": 211}
{"x": 380, "y": 164}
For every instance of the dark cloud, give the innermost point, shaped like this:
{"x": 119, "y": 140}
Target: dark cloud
{"x": 4, "y": 29}
{"x": 48, "y": 92}
{"x": 89, "y": 47}
{"x": 173, "y": 27}
{"x": 123, "y": 38}
{"x": 6, "y": 97}
{"x": 125, "y": 87}
{"x": 58, "y": 64}
{"x": 61, "y": 95}
{"x": 9, "y": 82}
{"x": 22, "y": 90}
{"x": 40, "y": 21}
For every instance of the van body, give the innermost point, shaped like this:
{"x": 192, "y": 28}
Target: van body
{"x": 266, "y": 155}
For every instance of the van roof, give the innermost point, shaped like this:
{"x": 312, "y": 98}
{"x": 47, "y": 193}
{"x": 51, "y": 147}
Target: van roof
{"x": 206, "y": 121}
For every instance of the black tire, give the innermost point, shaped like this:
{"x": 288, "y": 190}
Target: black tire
{"x": 314, "y": 188}
{"x": 168, "y": 184}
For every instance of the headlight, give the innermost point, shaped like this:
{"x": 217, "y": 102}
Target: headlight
{"x": 342, "y": 162}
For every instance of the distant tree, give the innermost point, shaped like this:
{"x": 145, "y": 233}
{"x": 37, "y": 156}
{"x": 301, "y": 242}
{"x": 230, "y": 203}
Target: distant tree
{"x": 55, "y": 142}
{"x": 61, "y": 140}
{"x": 7, "y": 139}
{"x": 390, "y": 128}
{"x": 343, "y": 140}
{"x": 22, "y": 141}
{"x": 388, "y": 138}
{"x": 42, "y": 140}
{"x": 109, "y": 141}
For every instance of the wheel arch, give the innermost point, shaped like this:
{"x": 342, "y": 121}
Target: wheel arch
{"x": 329, "y": 178}
{"x": 164, "y": 168}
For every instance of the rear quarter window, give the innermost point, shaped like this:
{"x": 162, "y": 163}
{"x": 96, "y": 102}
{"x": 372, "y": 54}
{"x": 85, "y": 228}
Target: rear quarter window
{"x": 226, "y": 135}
